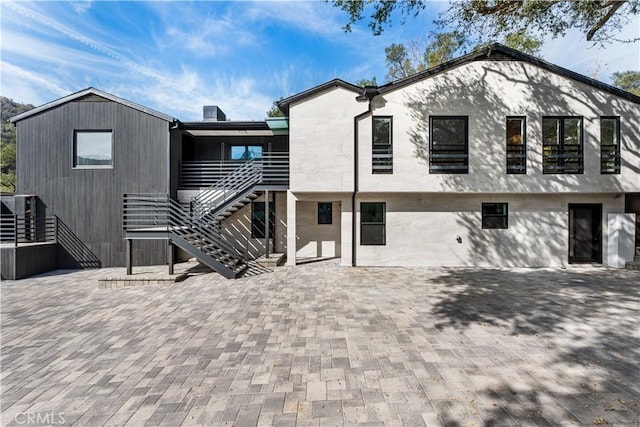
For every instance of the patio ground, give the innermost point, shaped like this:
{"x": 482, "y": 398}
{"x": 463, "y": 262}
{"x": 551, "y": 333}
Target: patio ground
{"x": 324, "y": 345}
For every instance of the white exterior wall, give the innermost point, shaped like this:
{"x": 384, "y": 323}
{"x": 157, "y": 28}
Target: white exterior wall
{"x": 317, "y": 240}
{"x": 321, "y": 141}
{"x": 487, "y": 92}
{"x": 422, "y": 230}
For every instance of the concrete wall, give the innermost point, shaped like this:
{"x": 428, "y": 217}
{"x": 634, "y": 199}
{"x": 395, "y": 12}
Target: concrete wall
{"x": 317, "y": 240}
{"x": 321, "y": 141}
{"x": 423, "y": 230}
{"x": 238, "y": 227}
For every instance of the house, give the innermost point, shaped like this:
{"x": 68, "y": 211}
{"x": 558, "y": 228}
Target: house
{"x": 493, "y": 159}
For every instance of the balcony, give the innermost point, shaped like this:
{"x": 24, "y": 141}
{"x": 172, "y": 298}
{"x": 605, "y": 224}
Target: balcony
{"x": 200, "y": 174}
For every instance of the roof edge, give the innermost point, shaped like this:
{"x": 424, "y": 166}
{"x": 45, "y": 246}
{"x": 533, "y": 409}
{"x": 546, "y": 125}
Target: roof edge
{"x": 488, "y": 51}
{"x": 91, "y": 91}
{"x": 284, "y": 103}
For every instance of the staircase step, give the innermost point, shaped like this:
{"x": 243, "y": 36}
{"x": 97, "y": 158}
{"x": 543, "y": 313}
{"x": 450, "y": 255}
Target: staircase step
{"x": 632, "y": 265}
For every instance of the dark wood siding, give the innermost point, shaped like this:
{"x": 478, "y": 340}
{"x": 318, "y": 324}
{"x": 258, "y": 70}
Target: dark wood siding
{"x": 89, "y": 201}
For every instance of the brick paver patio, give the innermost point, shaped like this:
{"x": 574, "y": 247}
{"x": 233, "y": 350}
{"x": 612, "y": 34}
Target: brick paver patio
{"x": 323, "y": 345}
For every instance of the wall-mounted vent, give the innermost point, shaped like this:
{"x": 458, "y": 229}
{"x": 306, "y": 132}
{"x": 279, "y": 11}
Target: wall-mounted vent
{"x": 212, "y": 113}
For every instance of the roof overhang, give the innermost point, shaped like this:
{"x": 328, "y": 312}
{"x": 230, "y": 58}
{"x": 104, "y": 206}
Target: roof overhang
{"x": 213, "y": 128}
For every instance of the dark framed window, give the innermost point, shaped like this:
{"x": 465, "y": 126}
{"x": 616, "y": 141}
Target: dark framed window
{"x": 562, "y": 146}
{"x": 92, "y": 149}
{"x": 382, "y": 144}
{"x": 245, "y": 152}
{"x": 372, "y": 223}
{"x": 325, "y": 213}
{"x": 258, "y": 218}
{"x": 495, "y": 215}
{"x": 516, "y": 145}
{"x": 609, "y": 145}
{"x": 448, "y": 144}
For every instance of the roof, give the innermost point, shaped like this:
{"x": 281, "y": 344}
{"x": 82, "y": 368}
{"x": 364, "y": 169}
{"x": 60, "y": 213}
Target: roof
{"x": 284, "y": 103}
{"x": 90, "y": 91}
{"x": 497, "y": 51}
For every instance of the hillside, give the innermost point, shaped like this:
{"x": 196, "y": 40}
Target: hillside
{"x": 9, "y": 108}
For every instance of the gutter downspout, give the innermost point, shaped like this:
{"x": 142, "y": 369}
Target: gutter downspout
{"x": 368, "y": 93}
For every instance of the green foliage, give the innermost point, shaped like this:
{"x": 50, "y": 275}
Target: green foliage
{"x": 274, "y": 111}
{"x": 367, "y": 82}
{"x": 442, "y": 48}
{"x": 627, "y": 80}
{"x": 8, "y": 109}
{"x": 599, "y": 20}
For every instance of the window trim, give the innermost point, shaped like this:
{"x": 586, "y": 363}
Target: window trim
{"x": 74, "y": 149}
{"x": 272, "y": 220}
{"x": 330, "y": 213}
{"x": 246, "y": 150}
{"x": 618, "y": 145}
{"x": 485, "y": 216}
{"x": 383, "y": 223}
{"x": 561, "y": 144}
{"x": 523, "y": 170}
{"x": 383, "y": 171}
{"x": 438, "y": 169}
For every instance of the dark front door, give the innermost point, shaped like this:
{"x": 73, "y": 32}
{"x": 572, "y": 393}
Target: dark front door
{"x": 585, "y": 233}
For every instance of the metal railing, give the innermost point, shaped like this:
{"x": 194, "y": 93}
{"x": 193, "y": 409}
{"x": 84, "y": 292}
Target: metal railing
{"x": 205, "y": 173}
{"x": 158, "y": 212}
{"x": 24, "y": 229}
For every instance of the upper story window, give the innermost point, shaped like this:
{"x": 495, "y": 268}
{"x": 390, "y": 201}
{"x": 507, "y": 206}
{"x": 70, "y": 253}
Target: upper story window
{"x": 382, "y": 144}
{"x": 93, "y": 149}
{"x": 373, "y": 223}
{"x": 448, "y": 144}
{"x": 609, "y": 145}
{"x": 246, "y": 152}
{"x": 562, "y": 147}
{"x": 516, "y": 145}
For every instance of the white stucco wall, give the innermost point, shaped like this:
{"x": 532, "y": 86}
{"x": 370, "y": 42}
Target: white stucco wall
{"x": 422, "y": 230}
{"x": 317, "y": 240}
{"x": 487, "y": 92}
{"x": 321, "y": 141}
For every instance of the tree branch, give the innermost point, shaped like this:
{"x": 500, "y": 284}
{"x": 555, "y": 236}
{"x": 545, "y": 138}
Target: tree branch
{"x": 615, "y": 5}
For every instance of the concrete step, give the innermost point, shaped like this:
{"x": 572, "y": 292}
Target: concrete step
{"x": 632, "y": 265}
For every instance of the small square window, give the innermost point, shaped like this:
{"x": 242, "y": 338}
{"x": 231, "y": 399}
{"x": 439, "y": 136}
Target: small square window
{"x": 93, "y": 149}
{"x": 495, "y": 215}
{"x": 325, "y": 213}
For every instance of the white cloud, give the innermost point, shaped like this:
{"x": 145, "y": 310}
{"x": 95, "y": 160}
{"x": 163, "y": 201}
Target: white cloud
{"x": 81, "y": 6}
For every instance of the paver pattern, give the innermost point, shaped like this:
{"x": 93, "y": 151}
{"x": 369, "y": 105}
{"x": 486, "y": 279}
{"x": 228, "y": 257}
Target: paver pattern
{"x": 323, "y": 345}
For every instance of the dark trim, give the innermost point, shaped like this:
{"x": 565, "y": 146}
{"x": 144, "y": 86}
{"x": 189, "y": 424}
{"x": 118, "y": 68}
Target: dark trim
{"x": 496, "y": 51}
{"x": 284, "y": 103}
{"x": 599, "y": 229}
{"x": 356, "y": 121}
{"x": 74, "y": 149}
{"x": 373, "y": 132}
{"x": 383, "y": 223}
{"x": 524, "y": 144}
{"x": 561, "y": 145}
{"x": 330, "y": 219}
{"x": 235, "y": 125}
{"x": 485, "y": 216}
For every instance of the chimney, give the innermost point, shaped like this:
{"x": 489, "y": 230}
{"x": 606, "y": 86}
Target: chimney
{"x": 212, "y": 113}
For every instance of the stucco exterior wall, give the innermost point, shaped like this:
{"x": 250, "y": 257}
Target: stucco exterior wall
{"x": 321, "y": 141}
{"x": 487, "y": 92}
{"x": 317, "y": 240}
{"x": 423, "y": 230}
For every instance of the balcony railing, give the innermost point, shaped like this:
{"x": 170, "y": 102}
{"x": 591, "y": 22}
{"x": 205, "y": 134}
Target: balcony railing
{"x": 24, "y": 229}
{"x": 205, "y": 173}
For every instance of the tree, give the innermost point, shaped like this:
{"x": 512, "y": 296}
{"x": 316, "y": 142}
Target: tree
{"x": 627, "y": 80}
{"x": 9, "y": 108}
{"x": 274, "y": 111}
{"x": 367, "y": 82}
{"x": 599, "y": 20}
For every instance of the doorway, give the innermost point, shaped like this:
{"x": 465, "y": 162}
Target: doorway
{"x": 585, "y": 233}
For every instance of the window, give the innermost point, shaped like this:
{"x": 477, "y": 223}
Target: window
{"x": 448, "y": 145}
{"x": 325, "y": 213}
{"x": 562, "y": 145}
{"x": 609, "y": 145}
{"x": 92, "y": 149}
{"x": 372, "y": 223}
{"x": 258, "y": 217}
{"x": 382, "y": 145}
{"x": 246, "y": 152}
{"x": 495, "y": 215}
{"x": 516, "y": 145}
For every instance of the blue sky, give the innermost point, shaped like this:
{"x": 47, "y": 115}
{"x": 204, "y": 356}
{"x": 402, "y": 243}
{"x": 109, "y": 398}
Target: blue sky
{"x": 176, "y": 57}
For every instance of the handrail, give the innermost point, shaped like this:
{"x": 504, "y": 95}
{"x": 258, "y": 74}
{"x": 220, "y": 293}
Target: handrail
{"x": 19, "y": 229}
{"x": 158, "y": 212}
